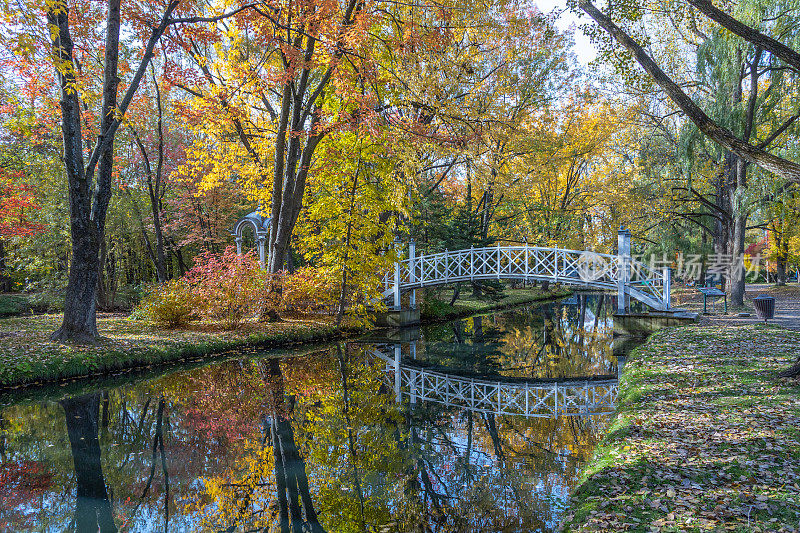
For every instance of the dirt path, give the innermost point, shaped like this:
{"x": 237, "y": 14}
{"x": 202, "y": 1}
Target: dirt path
{"x": 787, "y": 306}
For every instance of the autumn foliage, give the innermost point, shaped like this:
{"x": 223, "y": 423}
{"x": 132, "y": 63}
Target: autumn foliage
{"x": 18, "y": 206}
{"x": 230, "y": 289}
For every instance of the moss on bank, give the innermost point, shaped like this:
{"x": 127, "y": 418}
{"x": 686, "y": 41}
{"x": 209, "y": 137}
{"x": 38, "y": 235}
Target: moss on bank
{"x": 705, "y": 437}
{"x": 28, "y": 357}
{"x": 436, "y": 310}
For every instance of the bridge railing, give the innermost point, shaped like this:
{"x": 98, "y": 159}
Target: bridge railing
{"x": 591, "y": 269}
{"x": 504, "y": 262}
{"x": 550, "y": 400}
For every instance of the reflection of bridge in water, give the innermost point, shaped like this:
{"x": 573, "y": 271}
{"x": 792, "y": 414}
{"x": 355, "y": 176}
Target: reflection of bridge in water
{"x": 528, "y": 398}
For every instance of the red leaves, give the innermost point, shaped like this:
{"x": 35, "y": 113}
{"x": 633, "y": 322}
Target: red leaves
{"x": 17, "y": 202}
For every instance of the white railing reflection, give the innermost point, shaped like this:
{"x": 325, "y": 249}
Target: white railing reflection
{"x": 529, "y": 399}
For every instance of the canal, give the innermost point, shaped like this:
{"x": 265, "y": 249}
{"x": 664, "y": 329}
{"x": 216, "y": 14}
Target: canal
{"x": 480, "y": 424}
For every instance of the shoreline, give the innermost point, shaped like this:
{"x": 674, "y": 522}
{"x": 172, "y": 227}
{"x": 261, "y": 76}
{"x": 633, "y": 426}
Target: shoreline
{"x": 28, "y": 360}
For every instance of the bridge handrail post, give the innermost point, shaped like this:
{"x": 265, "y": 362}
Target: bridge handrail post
{"x": 396, "y": 286}
{"x": 623, "y": 270}
{"x": 527, "y": 260}
{"x": 497, "y": 264}
{"x": 446, "y": 265}
{"x": 555, "y": 264}
{"x": 471, "y": 262}
{"x": 667, "y": 287}
{"x": 555, "y": 395}
{"x": 527, "y": 396}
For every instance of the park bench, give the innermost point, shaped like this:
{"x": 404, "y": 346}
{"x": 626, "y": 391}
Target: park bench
{"x": 714, "y": 294}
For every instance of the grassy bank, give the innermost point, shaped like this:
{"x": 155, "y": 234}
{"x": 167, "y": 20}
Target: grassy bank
{"x": 28, "y": 357}
{"x": 706, "y": 437}
{"x": 437, "y": 308}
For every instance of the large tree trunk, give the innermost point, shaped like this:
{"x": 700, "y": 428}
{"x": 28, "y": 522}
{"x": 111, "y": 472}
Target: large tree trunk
{"x": 88, "y": 204}
{"x": 80, "y": 300}
{"x": 752, "y": 35}
{"x": 736, "y": 282}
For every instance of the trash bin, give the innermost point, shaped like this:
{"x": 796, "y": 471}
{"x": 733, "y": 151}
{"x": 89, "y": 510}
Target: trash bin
{"x": 765, "y": 306}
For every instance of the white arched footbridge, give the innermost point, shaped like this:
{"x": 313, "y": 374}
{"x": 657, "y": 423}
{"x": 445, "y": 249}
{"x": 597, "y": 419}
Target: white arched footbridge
{"x": 567, "y": 397}
{"x": 619, "y": 273}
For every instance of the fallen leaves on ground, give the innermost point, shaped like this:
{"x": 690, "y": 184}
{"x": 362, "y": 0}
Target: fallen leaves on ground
{"x": 28, "y": 355}
{"x": 707, "y": 437}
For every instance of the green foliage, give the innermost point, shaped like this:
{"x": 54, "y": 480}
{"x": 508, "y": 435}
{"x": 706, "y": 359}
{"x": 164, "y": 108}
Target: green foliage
{"x": 171, "y": 305}
{"x": 13, "y": 304}
{"x": 434, "y": 308}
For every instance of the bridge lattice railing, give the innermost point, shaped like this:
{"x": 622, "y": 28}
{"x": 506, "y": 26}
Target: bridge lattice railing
{"x": 526, "y": 262}
{"x": 565, "y": 398}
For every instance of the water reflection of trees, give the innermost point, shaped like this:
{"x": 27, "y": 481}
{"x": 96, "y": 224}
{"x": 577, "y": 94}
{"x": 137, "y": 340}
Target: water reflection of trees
{"x": 315, "y": 443}
{"x": 557, "y": 340}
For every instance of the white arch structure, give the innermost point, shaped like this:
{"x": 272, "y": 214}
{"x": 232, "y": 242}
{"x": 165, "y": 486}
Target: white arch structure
{"x": 529, "y": 399}
{"x": 619, "y": 273}
{"x": 260, "y": 227}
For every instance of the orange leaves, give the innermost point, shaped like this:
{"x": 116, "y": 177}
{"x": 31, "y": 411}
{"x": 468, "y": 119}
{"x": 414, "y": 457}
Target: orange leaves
{"x": 17, "y": 206}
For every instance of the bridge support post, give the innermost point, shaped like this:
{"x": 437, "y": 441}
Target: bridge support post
{"x": 412, "y": 264}
{"x": 396, "y": 287}
{"x": 623, "y": 271}
{"x": 667, "y": 287}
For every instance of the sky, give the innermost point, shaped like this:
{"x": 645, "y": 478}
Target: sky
{"x": 584, "y": 49}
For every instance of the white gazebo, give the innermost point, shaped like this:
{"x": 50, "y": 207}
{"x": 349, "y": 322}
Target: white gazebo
{"x": 260, "y": 227}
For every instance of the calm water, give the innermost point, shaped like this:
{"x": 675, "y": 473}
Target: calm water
{"x": 319, "y": 442}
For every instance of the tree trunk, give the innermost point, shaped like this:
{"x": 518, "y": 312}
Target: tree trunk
{"x": 760, "y": 40}
{"x": 5, "y": 282}
{"x": 79, "y": 322}
{"x": 736, "y": 282}
{"x": 89, "y": 204}
{"x": 780, "y": 272}
{"x": 784, "y": 168}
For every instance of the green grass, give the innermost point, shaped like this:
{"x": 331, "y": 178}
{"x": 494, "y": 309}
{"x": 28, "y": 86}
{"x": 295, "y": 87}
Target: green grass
{"x": 437, "y": 308}
{"x": 705, "y": 437}
{"x": 14, "y": 304}
{"x": 28, "y": 357}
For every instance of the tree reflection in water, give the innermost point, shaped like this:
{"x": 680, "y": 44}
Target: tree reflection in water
{"x": 92, "y": 504}
{"x": 312, "y": 443}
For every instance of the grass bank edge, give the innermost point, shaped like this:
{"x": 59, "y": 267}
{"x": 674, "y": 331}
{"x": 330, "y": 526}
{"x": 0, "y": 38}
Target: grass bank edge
{"x": 84, "y": 365}
{"x": 589, "y": 497}
{"x": 80, "y": 365}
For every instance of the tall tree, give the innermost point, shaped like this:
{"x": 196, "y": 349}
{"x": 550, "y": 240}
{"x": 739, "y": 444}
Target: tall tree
{"x": 89, "y": 197}
{"x": 742, "y": 148}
